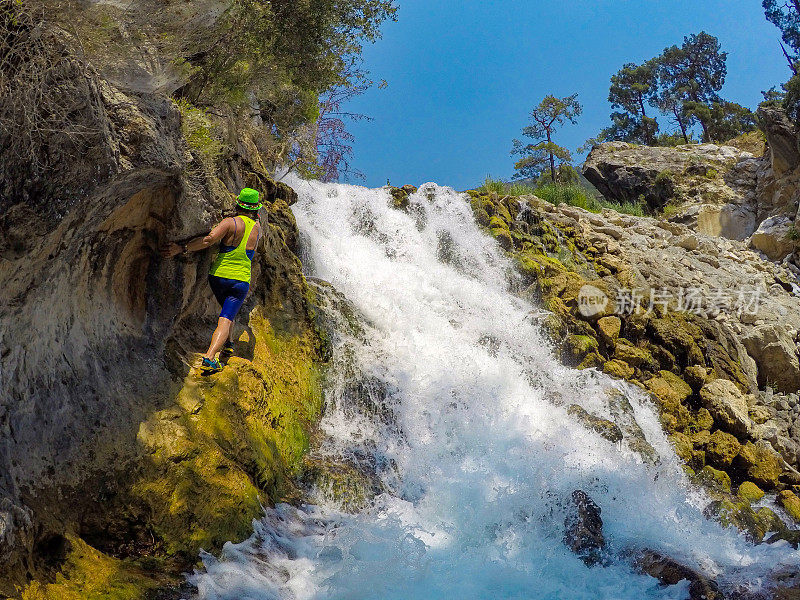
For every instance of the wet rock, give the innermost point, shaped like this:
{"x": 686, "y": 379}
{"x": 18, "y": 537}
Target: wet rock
{"x": 750, "y": 491}
{"x": 584, "y": 528}
{"x": 755, "y": 524}
{"x": 727, "y": 406}
{"x": 618, "y": 368}
{"x": 607, "y": 429}
{"x": 790, "y": 503}
{"x": 670, "y": 390}
{"x": 578, "y": 347}
{"x": 669, "y": 572}
{"x": 713, "y": 479}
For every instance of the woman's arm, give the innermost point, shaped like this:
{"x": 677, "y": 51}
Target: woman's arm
{"x": 215, "y": 236}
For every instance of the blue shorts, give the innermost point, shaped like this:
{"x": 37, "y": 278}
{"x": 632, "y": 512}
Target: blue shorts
{"x": 230, "y": 293}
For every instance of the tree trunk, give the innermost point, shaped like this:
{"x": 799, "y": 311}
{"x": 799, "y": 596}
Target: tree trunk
{"x": 680, "y": 124}
{"x": 648, "y": 136}
{"x": 552, "y": 160}
{"x": 705, "y": 130}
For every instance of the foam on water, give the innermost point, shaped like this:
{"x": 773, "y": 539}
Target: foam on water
{"x": 480, "y": 455}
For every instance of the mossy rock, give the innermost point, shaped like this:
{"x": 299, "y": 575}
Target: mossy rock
{"x": 482, "y": 217}
{"x": 790, "y": 503}
{"x": 679, "y": 337}
{"x": 701, "y": 420}
{"x": 88, "y": 574}
{"x": 696, "y": 376}
{"x": 593, "y": 360}
{"x": 504, "y": 238}
{"x": 683, "y": 447}
{"x": 700, "y": 438}
{"x": 618, "y": 368}
{"x": 232, "y": 442}
{"x": 399, "y": 198}
{"x": 609, "y": 329}
{"x": 497, "y": 223}
{"x": 670, "y": 390}
{"x": 713, "y": 479}
{"x": 750, "y": 491}
{"x": 634, "y": 356}
{"x": 577, "y": 347}
{"x": 607, "y": 429}
{"x": 721, "y": 449}
{"x": 759, "y": 464}
{"x": 739, "y": 514}
{"x": 503, "y": 212}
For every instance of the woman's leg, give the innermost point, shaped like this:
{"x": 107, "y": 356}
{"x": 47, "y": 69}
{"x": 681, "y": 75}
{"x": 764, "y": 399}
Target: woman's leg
{"x": 221, "y": 333}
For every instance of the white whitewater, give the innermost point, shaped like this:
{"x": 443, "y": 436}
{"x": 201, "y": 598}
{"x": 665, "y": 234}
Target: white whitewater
{"x": 481, "y": 453}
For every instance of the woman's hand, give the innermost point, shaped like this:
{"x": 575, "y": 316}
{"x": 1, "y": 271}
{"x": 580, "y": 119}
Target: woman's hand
{"x": 170, "y": 249}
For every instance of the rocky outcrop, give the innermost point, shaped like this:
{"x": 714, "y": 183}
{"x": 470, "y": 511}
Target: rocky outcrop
{"x": 112, "y": 446}
{"x": 711, "y": 188}
{"x": 706, "y": 325}
{"x": 715, "y": 190}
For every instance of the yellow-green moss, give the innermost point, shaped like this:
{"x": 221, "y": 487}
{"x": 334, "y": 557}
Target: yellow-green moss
{"x": 790, "y": 503}
{"x": 231, "y": 443}
{"x": 750, "y": 491}
{"x": 89, "y": 574}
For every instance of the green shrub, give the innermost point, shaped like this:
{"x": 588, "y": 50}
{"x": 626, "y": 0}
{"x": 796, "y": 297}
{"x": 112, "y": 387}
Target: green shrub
{"x": 200, "y": 132}
{"x": 570, "y": 193}
{"x": 492, "y": 186}
{"x": 520, "y": 189}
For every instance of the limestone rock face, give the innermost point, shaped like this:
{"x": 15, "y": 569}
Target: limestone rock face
{"x": 774, "y": 350}
{"x": 714, "y": 187}
{"x": 96, "y": 329}
{"x": 774, "y": 237}
{"x": 782, "y": 140}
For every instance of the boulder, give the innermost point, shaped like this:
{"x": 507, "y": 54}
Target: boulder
{"x": 721, "y": 449}
{"x": 775, "y": 354}
{"x": 618, "y": 368}
{"x": 609, "y": 328}
{"x": 774, "y": 237}
{"x": 727, "y": 406}
{"x": 713, "y": 479}
{"x": 583, "y": 528}
{"x": 791, "y": 503}
{"x": 670, "y": 390}
{"x": 759, "y": 463}
{"x": 750, "y": 491}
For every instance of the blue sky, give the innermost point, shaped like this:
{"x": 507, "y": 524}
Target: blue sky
{"x": 464, "y": 75}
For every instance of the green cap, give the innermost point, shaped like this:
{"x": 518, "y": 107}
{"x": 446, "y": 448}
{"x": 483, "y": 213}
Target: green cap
{"x": 248, "y": 198}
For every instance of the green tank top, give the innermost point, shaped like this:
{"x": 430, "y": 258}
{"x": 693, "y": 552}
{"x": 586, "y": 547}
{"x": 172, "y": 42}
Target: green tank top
{"x": 234, "y": 262}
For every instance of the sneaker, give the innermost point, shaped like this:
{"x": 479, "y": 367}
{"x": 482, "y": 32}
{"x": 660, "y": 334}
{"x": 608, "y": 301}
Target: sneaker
{"x": 227, "y": 349}
{"x": 209, "y": 367}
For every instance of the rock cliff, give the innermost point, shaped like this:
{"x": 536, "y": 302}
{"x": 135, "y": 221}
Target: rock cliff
{"x": 118, "y": 462}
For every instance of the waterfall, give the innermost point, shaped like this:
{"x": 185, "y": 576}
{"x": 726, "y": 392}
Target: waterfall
{"x": 448, "y": 392}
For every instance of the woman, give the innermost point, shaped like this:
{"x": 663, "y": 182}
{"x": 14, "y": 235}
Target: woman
{"x": 229, "y": 276}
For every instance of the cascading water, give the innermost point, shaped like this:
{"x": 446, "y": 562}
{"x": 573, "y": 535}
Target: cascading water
{"x": 463, "y": 421}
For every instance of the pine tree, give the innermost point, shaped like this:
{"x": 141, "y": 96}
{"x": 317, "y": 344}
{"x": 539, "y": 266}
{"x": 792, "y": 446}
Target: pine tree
{"x": 545, "y": 119}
